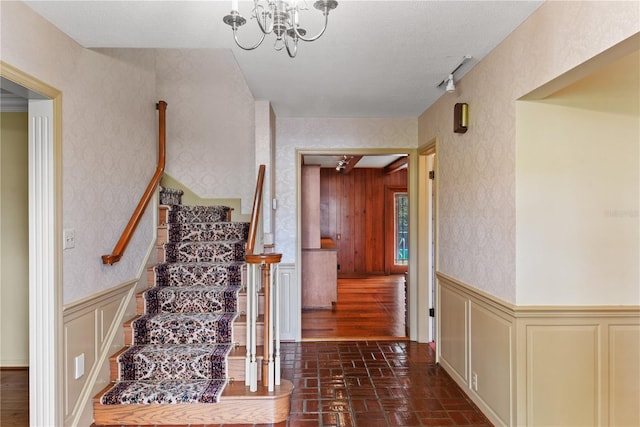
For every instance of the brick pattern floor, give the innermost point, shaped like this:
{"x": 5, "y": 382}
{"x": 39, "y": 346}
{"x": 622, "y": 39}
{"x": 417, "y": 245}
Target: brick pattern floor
{"x": 371, "y": 384}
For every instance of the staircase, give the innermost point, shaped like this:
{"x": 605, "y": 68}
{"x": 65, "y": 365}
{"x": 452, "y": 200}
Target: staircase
{"x": 186, "y": 360}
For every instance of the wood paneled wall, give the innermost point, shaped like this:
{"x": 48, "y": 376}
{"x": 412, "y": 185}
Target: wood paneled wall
{"x": 352, "y": 212}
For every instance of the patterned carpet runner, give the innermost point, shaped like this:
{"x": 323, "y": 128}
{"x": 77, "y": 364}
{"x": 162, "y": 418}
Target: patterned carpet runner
{"x": 181, "y": 342}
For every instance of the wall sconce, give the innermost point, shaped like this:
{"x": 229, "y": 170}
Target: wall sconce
{"x": 460, "y": 117}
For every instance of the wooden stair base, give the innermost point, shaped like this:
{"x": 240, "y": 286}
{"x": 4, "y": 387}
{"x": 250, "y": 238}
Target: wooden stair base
{"x": 237, "y": 406}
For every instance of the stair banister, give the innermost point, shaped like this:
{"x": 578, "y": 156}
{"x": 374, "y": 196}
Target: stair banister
{"x": 255, "y": 212}
{"x": 268, "y": 265}
{"x": 120, "y": 247}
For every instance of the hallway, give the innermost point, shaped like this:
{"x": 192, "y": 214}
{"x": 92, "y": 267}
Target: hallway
{"x": 369, "y": 307}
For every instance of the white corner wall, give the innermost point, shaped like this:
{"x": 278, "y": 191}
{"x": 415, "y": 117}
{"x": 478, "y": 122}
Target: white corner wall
{"x": 578, "y": 187}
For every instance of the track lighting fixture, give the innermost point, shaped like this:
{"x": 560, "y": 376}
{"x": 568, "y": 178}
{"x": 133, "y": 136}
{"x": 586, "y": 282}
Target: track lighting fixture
{"x": 343, "y": 163}
{"x": 449, "y": 84}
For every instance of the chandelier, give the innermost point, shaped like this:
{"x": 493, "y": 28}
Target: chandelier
{"x": 280, "y": 18}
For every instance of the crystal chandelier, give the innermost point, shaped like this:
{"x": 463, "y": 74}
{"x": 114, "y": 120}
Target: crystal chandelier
{"x": 280, "y": 18}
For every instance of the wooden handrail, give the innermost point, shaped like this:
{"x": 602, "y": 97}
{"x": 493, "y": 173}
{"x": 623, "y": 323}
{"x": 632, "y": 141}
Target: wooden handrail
{"x": 120, "y": 247}
{"x": 255, "y": 213}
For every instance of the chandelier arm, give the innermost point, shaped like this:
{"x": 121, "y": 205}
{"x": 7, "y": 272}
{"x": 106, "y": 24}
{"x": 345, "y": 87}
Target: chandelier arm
{"x": 263, "y": 26}
{"x": 317, "y": 36}
{"x": 235, "y": 37}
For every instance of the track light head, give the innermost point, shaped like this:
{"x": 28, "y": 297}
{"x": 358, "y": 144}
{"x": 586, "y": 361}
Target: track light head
{"x": 451, "y": 87}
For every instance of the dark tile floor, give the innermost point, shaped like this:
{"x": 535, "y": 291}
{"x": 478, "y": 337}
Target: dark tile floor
{"x": 370, "y": 384}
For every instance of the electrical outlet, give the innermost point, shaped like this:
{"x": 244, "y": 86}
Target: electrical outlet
{"x": 69, "y": 238}
{"x": 474, "y": 381}
{"x": 79, "y": 365}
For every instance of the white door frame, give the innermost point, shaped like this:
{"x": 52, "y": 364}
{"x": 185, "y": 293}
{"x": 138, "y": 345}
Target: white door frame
{"x": 45, "y": 249}
{"x": 427, "y": 238}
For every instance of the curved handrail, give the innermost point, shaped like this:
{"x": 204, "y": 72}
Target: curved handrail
{"x": 120, "y": 247}
{"x": 255, "y": 213}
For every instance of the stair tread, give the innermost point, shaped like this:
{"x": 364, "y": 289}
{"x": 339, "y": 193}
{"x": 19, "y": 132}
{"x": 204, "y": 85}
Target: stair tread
{"x": 164, "y": 392}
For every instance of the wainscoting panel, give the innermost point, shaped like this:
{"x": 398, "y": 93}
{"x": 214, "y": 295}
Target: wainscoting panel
{"x": 79, "y": 341}
{"x": 453, "y": 335}
{"x": 289, "y": 303}
{"x": 491, "y": 339}
{"x": 624, "y": 375}
{"x": 106, "y": 314}
{"x": 92, "y": 327}
{"x": 562, "y": 375}
{"x": 540, "y": 365}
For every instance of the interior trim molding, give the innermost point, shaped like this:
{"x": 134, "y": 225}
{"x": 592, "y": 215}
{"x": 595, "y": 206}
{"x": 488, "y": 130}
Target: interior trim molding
{"x": 45, "y": 264}
{"x": 532, "y": 311}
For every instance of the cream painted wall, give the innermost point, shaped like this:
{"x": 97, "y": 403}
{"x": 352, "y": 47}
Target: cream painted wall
{"x": 109, "y": 142}
{"x": 578, "y": 187}
{"x": 340, "y": 133}
{"x": 210, "y": 123}
{"x": 477, "y": 170}
{"x": 14, "y": 232}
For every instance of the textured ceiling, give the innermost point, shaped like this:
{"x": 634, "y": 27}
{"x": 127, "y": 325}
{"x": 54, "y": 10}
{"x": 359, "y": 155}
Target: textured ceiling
{"x": 377, "y": 58}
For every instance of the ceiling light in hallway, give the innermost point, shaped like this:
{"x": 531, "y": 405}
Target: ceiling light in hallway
{"x": 280, "y": 18}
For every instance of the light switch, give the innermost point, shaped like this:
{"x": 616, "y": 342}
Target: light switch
{"x": 69, "y": 238}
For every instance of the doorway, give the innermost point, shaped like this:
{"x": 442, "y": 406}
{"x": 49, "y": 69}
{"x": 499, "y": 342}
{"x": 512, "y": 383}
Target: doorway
{"x": 45, "y": 284}
{"x": 352, "y": 210}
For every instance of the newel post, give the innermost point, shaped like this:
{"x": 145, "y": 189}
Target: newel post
{"x": 268, "y": 264}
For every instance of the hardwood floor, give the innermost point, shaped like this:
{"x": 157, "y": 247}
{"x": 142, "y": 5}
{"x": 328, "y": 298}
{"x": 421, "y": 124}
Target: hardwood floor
{"x": 14, "y": 397}
{"x": 368, "y": 308}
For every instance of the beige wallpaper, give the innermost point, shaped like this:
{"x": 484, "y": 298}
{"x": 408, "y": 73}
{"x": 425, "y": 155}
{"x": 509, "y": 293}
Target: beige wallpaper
{"x": 109, "y": 142}
{"x": 210, "y": 122}
{"x": 477, "y": 170}
{"x": 309, "y": 133}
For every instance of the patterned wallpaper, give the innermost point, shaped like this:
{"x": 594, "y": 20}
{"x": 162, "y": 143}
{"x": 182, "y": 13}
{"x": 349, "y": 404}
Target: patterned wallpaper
{"x": 108, "y": 147}
{"x": 210, "y": 122}
{"x": 110, "y": 127}
{"x": 477, "y": 170}
{"x": 305, "y": 133}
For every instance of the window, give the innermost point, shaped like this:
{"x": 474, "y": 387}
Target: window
{"x": 401, "y": 228}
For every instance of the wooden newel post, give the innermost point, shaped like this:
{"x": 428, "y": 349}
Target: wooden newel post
{"x": 269, "y": 375}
